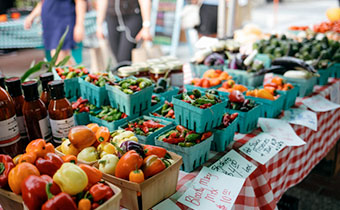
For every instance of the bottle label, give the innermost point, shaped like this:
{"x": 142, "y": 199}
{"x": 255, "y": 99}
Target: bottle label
{"x": 22, "y": 126}
{"x": 45, "y": 129}
{"x": 177, "y": 79}
{"x": 9, "y": 132}
{"x": 60, "y": 128}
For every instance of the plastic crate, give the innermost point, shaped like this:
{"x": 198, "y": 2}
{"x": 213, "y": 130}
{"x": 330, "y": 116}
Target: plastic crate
{"x": 167, "y": 95}
{"x": 335, "y": 70}
{"x": 199, "y": 69}
{"x": 154, "y": 107}
{"x": 290, "y": 96}
{"x": 223, "y": 137}
{"x": 150, "y": 139}
{"x": 247, "y": 121}
{"x": 324, "y": 74}
{"x": 96, "y": 95}
{"x": 112, "y": 126}
{"x": 193, "y": 157}
{"x": 270, "y": 108}
{"x": 306, "y": 85}
{"x": 158, "y": 110}
{"x": 194, "y": 118}
{"x": 265, "y": 59}
{"x": 71, "y": 86}
{"x": 131, "y": 104}
{"x": 82, "y": 118}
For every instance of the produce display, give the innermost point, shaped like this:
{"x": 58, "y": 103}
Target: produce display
{"x": 167, "y": 111}
{"x": 237, "y": 101}
{"x": 266, "y": 93}
{"x": 229, "y": 86}
{"x": 81, "y": 105}
{"x": 211, "y": 78}
{"x": 195, "y": 98}
{"x": 246, "y": 62}
{"x": 100, "y": 79}
{"x": 132, "y": 85}
{"x": 155, "y": 100}
{"x": 184, "y": 137}
{"x": 144, "y": 127}
{"x": 327, "y": 26}
{"x": 227, "y": 120}
{"x": 107, "y": 113}
{"x": 70, "y": 72}
{"x": 277, "y": 83}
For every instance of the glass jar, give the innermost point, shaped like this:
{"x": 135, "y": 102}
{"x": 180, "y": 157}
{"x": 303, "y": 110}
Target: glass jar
{"x": 155, "y": 61}
{"x": 126, "y": 71}
{"x": 158, "y": 71}
{"x": 176, "y": 73}
{"x": 142, "y": 69}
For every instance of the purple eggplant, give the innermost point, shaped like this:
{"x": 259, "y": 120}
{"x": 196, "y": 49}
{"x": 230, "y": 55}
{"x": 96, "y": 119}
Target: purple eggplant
{"x": 214, "y": 59}
{"x": 130, "y": 145}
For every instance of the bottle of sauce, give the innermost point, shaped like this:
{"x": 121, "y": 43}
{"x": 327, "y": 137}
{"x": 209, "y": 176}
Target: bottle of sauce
{"x": 2, "y": 82}
{"x": 14, "y": 89}
{"x": 45, "y": 94}
{"x": 60, "y": 112}
{"x": 35, "y": 113}
{"x": 10, "y": 143}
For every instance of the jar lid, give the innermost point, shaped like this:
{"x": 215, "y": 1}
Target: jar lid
{"x": 30, "y": 89}
{"x": 154, "y": 61}
{"x": 159, "y": 69}
{"x": 169, "y": 58}
{"x": 141, "y": 67}
{"x": 14, "y": 86}
{"x": 175, "y": 65}
{"x": 57, "y": 89}
{"x": 45, "y": 78}
{"x": 126, "y": 71}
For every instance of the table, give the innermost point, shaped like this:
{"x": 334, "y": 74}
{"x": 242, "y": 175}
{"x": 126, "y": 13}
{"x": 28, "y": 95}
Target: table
{"x": 265, "y": 186}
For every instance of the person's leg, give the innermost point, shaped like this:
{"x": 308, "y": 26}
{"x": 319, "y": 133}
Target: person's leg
{"x": 134, "y": 23}
{"x": 114, "y": 35}
{"x": 208, "y": 16}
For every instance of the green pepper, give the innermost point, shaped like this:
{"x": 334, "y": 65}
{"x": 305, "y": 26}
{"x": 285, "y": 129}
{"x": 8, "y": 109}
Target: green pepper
{"x": 196, "y": 93}
{"x": 142, "y": 85}
{"x": 102, "y": 83}
{"x": 186, "y": 144}
{"x": 201, "y": 101}
{"x": 125, "y": 85}
{"x": 70, "y": 75}
{"x": 127, "y": 91}
{"x": 192, "y": 137}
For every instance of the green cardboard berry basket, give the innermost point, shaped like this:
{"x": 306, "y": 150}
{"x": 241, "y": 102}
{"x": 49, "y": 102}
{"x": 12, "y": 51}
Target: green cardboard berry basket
{"x": 335, "y": 70}
{"x": 71, "y": 86}
{"x": 290, "y": 96}
{"x": 324, "y": 74}
{"x": 154, "y": 107}
{"x": 112, "y": 126}
{"x": 193, "y": 157}
{"x": 247, "y": 121}
{"x": 245, "y": 78}
{"x": 131, "y": 104}
{"x": 158, "y": 111}
{"x": 199, "y": 69}
{"x": 167, "y": 95}
{"x": 270, "y": 108}
{"x": 194, "y": 118}
{"x": 150, "y": 139}
{"x": 82, "y": 118}
{"x": 306, "y": 86}
{"x": 96, "y": 95}
{"x": 223, "y": 137}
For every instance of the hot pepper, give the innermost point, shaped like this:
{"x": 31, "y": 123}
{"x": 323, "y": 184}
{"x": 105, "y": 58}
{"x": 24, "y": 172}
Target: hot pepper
{"x": 128, "y": 162}
{"x": 206, "y": 135}
{"x": 93, "y": 174}
{"x": 154, "y": 150}
{"x": 28, "y": 158}
{"x": 152, "y": 165}
{"x": 49, "y": 164}
{"x": 152, "y": 124}
{"x": 61, "y": 201}
{"x": 39, "y": 147}
{"x": 101, "y": 191}
{"x": 6, "y": 164}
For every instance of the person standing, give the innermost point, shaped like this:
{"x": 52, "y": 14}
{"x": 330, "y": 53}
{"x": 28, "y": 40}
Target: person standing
{"x": 56, "y": 16}
{"x": 208, "y": 18}
{"x": 128, "y": 22}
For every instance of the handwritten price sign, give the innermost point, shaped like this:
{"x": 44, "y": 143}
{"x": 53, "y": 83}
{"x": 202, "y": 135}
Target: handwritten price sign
{"x": 262, "y": 147}
{"x": 212, "y": 190}
{"x": 320, "y": 104}
{"x": 300, "y": 116}
{"x": 233, "y": 164}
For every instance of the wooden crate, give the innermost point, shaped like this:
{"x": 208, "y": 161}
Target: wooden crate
{"x": 152, "y": 190}
{"x": 58, "y": 152}
{"x": 11, "y": 195}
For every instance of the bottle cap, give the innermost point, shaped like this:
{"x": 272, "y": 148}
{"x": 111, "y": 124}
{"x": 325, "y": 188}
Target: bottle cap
{"x": 14, "y": 86}
{"x": 45, "y": 78}
{"x": 57, "y": 89}
{"x": 30, "y": 90}
{"x": 2, "y": 82}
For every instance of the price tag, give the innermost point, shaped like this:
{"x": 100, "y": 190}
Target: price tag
{"x": 300, "y": 116}
{"x": 335, "y": 93}
{"x": 281, "y": 130}
{"x": 262, "y": 147}
{"x": 166, "y": 205}
{"x": 233, "y": 164}
{"x": 320, "y": 104}
{"x": 212, "y": 190}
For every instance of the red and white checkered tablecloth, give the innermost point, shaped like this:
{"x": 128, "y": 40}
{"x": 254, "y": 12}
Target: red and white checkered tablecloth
{"x": 265, "y": 186}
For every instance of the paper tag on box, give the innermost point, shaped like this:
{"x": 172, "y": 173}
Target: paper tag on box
{"x": 262, "y": 147}
{"x": 212, "y": 190}
{"x": 300, "y": 116}
{"x": 281, "y": 130}
{"x": 233, "y": 164}
{"x": 335, "y": 93}
{"x": 320, "y": 104}
{"x": 166, "y": 205}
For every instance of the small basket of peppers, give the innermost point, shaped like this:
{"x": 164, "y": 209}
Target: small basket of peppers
{"x": 156, "y": 102}
{"x": 71, "y": 76}
{"x": 165, "y": 112}
{"x": 93, "y": 87}
{"x": 193, "y": 147}
{"x": 248, "y": 111}
{"x": 81, "y": 109}
{"x": 146, "y": 128}
{"x": 197, "y": 111}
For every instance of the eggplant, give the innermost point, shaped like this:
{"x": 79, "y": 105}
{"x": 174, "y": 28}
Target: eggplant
{"x": 293, "y": 63}
{"x": 214, "y": 59}
{"x": 232, "y": 64}
{"x": 130, "y": 145}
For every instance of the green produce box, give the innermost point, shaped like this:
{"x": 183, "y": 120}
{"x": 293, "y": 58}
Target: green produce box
{"x": 112, "y": 126}
{"x": 290, "y": 96}
{"x": 96, "y": 95}
{"x": 71, "y": 86}
{"x": 82, "y": 118}
{"x": 158, "y": 111}
{"x": 306, "y": 85}
{"x": 270, "y": 108}
{"x": 335, "y": 69}
{"x": 199, "y": 69}
{"x": 223, "y": 137}
{"x": 154, "y": 107}
{"x": 167, "y": 95}
{"x": 324, "y": 75}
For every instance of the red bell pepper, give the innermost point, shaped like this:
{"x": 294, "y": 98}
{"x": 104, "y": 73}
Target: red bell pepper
{"x": 101, "y": 191}
{"x": 49, "y": 164}
{"x": 6, "y": 164}
{"x": 55, "y": 189}
{"x": 61, "y": 201}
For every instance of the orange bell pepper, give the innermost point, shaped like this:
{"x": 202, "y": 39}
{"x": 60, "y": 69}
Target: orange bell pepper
{"x": 223, "y": 76}
{"x": 152, "y": 165}
{"x": 240, "y": 88}
{"x": 81, "y": 137}
{"x": 39, "y": 147}
{"x": 19, "y": 173}
{"x": 93, "y": 174}
{"x": 263, "y": 93}
{"x": 128, "y": 162}
{"x": 136, "y": 176}
{"x": 195, "y": 81}
{"x": 69, "y": 159}
{"x": 214, "y": 81}
{"x": 228, "y": 84}
{"x": 277, "y": 80}
{"x": 28, "y": 157}
{"x": 270, "y": 89}
{"x": 102, "y": 134}
{"x": 93, "y": 126}
{"x": 154, "y": 150}
{"x": 205, "y": 83}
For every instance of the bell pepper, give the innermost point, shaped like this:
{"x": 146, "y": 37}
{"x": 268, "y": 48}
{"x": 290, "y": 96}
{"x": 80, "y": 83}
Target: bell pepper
{"x": 108, "y": 163}
{"x": 81, "y": 137}
{"x": 84, "y": 204}
{"x": 136, "y": 176}
{"x": 152, "y": 165}
{"x": 19, "y": 173}
{"x": 93, "y": 174}
{"x": 28, "y": 157}
{"x": 119, "y": 136}
{"x": 69, "y": 159}
{"x": 129, "y": 145}
{"x": 154, "y": 150}
{"x": 39, "y": 147}
{"x": 49, "y": 164}
{"x": 101, "y": 191}
{"x": 103, "y": 134}
{"x": 128, "y": 162}
{"x": 61, "y": 201}
{"x": 16, "y": 159}
{"x": 71, "y": 178}
{"x": 6, "y": 165}
{"x": 68, "y": 149}
{"x": 55, "y": 189}
{"x": 89, "y": 154}
{"x": 93, "y": 126}
{"x": 105, "y": 148}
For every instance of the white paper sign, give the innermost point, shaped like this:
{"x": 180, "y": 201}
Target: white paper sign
{"x": 233, "y": 164}
{"x": 262, "y": 147}
{"x": 300, "y": 116}
{"x": 320, "y": 104}
{"x": 281, "y": 130}
{"x": 335, "y": 93}
{"x": 166, "y": 205}
{"x": 212, "y": 190}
